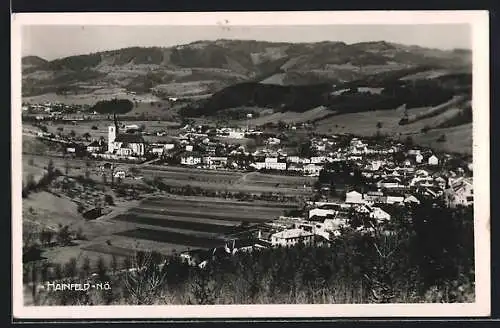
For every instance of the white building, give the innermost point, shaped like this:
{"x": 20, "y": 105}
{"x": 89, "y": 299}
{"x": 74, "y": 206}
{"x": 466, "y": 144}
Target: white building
{"x": 190, "y": 159}
{"x": 379, "y": 214}
{"x": 292, "y": 237}
{"x": 214, "y": 161}
{"x": 318, "y": 159}
{"x": 460, "y": 193}
{"x": 321, "y": 212}
{"x": 394, "y": 199}
{"x": 419, "y": 158}
{"x": 312, "y": 169}
{"x": 354, "y": 197}
{"x": 433, "y": 160}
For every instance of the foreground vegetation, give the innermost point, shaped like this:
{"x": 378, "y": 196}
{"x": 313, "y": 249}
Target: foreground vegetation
{"x": 424, "y": 257}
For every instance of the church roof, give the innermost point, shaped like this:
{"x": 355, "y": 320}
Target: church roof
{"x": 129, "y": 138}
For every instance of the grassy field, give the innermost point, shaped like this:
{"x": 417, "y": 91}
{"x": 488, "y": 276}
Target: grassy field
{"x": 290, "y": 117}
{"x": 365, "y": 124}
{"x": 90, "y": 98}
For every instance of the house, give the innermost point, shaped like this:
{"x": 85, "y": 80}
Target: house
{"x": 95, "y": 146}
{"x": 460, "y": 193}
{"x": 312, "y": 169}
{"x": 433, "y": 160}
{"x": 419, "y": 158}
{"x": 120, "y": 174}
{"x": 318, "y": 159}
{"x": 195, "y": 257}
{"x": 190, "y": 158}
{"x": 379, "y": 214}
{"x": 321, "y": 212}
{"x": 354, "y": 197}
{"x": 273, "y": 141}
{"x": 214, "y": 161}
{"x": 293, "y": 159}
{"x": 292, "y": 237}
{"x": 394, "y": 199}
{"x": 295, "y": 167}
{"x": 270, "y": 163}
{"x": 373, "y": 197}
{"x": 411, "y": 200}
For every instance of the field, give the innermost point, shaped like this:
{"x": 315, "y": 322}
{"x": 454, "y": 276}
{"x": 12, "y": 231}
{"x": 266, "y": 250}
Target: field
{"x": 292, "y": 117}
{"x": 184, "y": 222}
{"x": 90, "y": 98}
{"x": 365, "y": 124}
{"x": 253, "y": 182}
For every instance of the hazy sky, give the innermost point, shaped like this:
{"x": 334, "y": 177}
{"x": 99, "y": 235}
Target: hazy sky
{"x": 51, "y": 42}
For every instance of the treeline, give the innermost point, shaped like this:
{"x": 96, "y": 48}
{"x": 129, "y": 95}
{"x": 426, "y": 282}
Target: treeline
{"x": 426, "y": 258}
{"x": 463, "y": 117}
{"x": 118, "y": 106}
{"x": 189, "y": 190}
{"x": 43, "y": 183}
{"x": 420, "y": 94}
{"x": 294, "y": 98}
{"x": 300, "y": 98}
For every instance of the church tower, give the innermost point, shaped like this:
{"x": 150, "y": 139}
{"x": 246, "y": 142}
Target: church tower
{"x": 112, "y": 133}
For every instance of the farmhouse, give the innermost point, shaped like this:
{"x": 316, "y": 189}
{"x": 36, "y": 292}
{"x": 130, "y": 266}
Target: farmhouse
{"x": 291, "y": 237}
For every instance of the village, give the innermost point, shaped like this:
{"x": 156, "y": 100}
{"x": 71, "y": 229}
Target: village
{"x": 369, "y": 178}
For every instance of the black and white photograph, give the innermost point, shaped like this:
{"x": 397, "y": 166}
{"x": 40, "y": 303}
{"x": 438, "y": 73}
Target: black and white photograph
{"x": 250, "y": 164}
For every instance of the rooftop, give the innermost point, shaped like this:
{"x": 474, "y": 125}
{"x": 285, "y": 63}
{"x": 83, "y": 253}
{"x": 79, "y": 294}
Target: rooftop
{"x": 292, "y": 233}
{"x": 129, "y": 138}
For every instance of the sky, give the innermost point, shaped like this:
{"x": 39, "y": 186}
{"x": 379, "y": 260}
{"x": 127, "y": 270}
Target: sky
{"x": 57, "y": 41}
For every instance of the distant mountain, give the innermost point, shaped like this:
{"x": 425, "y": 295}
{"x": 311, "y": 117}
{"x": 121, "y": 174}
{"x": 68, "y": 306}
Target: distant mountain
{"x": 205, "y": 67}
{"x": 32, "y": 61}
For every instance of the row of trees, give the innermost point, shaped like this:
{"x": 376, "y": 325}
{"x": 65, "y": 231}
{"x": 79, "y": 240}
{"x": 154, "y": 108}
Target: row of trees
{"x": 189, "y": 190}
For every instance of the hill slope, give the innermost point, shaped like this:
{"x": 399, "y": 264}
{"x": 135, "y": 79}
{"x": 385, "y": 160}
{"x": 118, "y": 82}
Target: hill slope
{"x": 221, "y": 63}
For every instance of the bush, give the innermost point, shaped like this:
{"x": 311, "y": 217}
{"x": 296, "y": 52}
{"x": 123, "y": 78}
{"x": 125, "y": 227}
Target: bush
{"x": 109, "y": 200}
{"x": 442, "y": 138}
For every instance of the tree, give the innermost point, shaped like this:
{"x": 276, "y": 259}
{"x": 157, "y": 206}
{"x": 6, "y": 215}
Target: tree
{"x": 72, "y": 133}
{"x": 63, "y": 236}
{"x": 144, "y": 283}
{"x": 379, "y": 125}
{"x": 109, "y": 200}
{"x": 87, "y": 136}
{"x": 70, "y": 268}
{"x": 85, "y": 270}
{"x": 66, "y": 168}
{"x": 442, "y": 138}
{"x": 50, "y": 168}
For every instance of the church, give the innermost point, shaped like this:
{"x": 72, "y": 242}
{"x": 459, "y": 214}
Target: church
{"x": 124, "y": 144}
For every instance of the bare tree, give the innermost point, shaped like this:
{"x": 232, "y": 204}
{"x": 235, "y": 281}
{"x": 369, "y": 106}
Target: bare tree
{"x": 144, "y": 280}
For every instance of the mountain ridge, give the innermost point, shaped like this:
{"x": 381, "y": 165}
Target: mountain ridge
{"x": 221, "y": 63}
